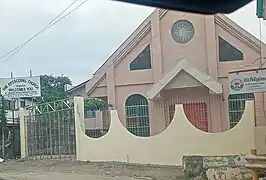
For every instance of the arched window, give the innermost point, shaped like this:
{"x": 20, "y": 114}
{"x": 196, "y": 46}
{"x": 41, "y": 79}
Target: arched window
{"x": 137, "y": 115}
{"x": 236, "y": 105}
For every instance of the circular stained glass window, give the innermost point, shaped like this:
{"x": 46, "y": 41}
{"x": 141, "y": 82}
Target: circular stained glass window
{"x": 182, "y": 31}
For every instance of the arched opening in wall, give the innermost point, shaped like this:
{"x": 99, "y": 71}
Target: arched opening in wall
{"x": 236, "y": 107}
{"x": 196, "y": 113}
{"x": 96, "y": 117}
{"x": 201, "y": 109}
{"x": 137, "y": 115}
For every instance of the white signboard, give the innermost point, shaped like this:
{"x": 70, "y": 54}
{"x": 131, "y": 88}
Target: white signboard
{"x": 248, "y": 82}
{"x": 20, "y": 87}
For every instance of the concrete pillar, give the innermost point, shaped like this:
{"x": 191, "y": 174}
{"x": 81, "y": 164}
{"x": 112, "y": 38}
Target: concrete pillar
{"x": 23, "y": 134}
{"x": 110, "y": 79}
{"x": 260, "y": 109}
{"x": 79, "y": 124}
{"x": 211, "y": 46}
{"x": 218, "y": 117}
{"x": 156, "y": 50}
{"x": 157, "y": 118}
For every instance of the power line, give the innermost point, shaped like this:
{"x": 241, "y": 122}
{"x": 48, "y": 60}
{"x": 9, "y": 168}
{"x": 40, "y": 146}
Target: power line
{"x": 49, "y": 25}
{"x": 39, "y": 31}
{"x": 43, "y": 30}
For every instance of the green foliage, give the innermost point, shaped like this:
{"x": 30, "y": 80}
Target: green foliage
{"x": 95, "y": 104}
{"x": 53, "y": 87}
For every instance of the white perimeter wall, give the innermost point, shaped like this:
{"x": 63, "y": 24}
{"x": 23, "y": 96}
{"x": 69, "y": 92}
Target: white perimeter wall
{"x": 179, "y": 139}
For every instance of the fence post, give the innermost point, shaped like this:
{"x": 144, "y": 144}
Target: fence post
{"x": 255, "y": 175}
{"x": 79, "y": 123}
{"x": 23, "y": 133}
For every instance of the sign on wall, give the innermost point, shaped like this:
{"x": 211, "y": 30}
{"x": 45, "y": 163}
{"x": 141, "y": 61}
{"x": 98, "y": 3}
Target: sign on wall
{"x": 248, "y": 82}
{"x": 20, "y": 87}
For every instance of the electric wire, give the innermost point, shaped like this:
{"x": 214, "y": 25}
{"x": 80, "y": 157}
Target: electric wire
{"x": 39, "y": 31}
{"x": 49, "y": 25}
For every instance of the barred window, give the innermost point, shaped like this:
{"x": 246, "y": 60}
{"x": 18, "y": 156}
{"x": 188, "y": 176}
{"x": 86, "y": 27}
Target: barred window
{"x": 137, "y": 115}
{"x": 236, "y": 105}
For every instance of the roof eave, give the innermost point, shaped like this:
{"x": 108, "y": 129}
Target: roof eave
{"x": 204, "y": 78}
{"x": 78, "y": 86}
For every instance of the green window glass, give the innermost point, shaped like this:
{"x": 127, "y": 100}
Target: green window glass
{"x": 228, "y": 52}
{"x": 142, "y": 61}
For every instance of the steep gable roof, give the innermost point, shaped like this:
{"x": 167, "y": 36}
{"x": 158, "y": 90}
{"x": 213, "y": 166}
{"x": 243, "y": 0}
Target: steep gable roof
{"x": 204, "y": 78}
{"x": 78, "y": 86}
{"x": 145, "y": 26}
{"x": 120, "y": 52}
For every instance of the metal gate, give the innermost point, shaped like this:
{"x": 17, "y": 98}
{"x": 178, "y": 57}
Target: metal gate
{"x": 50, "y": 130}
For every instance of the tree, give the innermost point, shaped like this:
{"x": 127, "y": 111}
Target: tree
{"x": 53, "y": 87}
{"x": 95, "y": 104}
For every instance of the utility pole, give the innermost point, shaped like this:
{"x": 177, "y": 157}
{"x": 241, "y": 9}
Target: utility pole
{"x": 13, "y": 122}
{"x": 13, "y": 128}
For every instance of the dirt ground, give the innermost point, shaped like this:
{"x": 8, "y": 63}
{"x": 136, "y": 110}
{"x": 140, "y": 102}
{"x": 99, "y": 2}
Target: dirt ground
{"x": 69, "y": 170}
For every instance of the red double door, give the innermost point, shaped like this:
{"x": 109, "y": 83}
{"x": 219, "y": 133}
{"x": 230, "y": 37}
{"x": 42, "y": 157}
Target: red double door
{"x": 197, "y": 114}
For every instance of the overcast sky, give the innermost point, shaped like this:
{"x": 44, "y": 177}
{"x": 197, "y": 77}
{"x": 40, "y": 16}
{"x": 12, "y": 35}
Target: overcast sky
{"x": 79, "y": 44}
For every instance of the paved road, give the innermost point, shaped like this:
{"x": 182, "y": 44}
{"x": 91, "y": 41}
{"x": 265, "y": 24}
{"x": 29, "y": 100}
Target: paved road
{"x": 73, "y": 170}
{"x": 58, "y": 175}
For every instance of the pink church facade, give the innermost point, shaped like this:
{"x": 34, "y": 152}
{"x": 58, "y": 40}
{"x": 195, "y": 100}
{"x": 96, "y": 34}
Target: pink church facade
{"x": 176, "y": 57}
